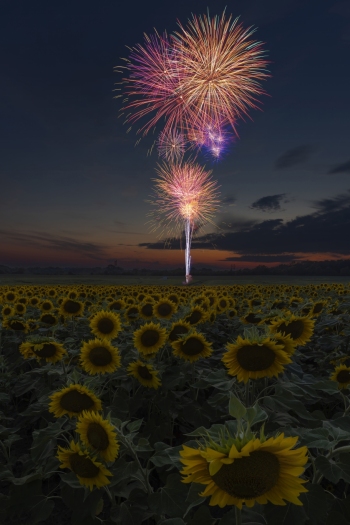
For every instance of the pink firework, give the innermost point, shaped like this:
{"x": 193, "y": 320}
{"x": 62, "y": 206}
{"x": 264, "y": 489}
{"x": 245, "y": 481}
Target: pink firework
{"x": 186, "y": 197}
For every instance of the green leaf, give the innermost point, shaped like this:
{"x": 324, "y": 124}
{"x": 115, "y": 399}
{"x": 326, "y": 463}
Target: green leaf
{"x": 171, "y": 499}
{"x": 236, "y": 408}
{"x": 289, "y": 515}
{"x": 202, "y": 516}
{"x": 329, "y": 469}
{"x": 134, "y": 425}
{"x": 316, "y": 503}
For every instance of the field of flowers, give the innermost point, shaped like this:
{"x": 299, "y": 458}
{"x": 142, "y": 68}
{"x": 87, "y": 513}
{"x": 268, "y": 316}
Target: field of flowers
{"x": 175, "y": 405}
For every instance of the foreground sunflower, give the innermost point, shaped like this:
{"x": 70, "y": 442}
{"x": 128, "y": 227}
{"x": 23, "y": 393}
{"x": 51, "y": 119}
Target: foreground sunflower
{"x": 145, "y": 374}
{"x": 149, "y": 338}
{"x": 73, "y": 400}
{"x": 192, "y": 347}
{"x": 300, "y": 328}
{"x": 88, "y": 471}
{"x": 99, "y": 356}
{"x": 105, "y": 325}
{"x": 69, "y": 307}
{"x": 164, "y": 308}
{"x": 253, "y": 359}
{"x": 341, "y": 374}
{"x": 98, "y": 434}
{"x": 259, "y": 472}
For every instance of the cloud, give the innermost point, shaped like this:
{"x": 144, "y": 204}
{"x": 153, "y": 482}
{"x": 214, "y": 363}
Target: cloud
{"x": 340, "y": 168}
{"x": 229, "y": 200}
{"x": 47, "y": 242}
{"x": 268, "y": 203}
{"x": 262, "y": 258}
{"x": 294, "y": 156}
{"x": 324, "y": 231}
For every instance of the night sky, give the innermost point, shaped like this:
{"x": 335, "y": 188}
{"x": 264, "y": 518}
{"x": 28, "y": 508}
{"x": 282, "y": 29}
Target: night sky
{"x": 73, "y": 186}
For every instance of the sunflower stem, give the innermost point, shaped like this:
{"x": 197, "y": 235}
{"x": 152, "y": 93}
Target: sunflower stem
{"x": 238, "y": 516}
{"x": 247, "y": 393}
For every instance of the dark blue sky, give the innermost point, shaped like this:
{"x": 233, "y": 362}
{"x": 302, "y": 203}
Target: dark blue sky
{"x": 73, "y": 185}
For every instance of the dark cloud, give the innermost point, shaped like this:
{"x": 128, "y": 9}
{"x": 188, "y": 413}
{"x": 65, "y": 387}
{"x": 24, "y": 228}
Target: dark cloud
{"x": 268, "y": 203}
{"x": 261, "y": 258}
{"x": 337, "y": 203}
{"x": 228, "y": 200}
{"x": 324, "y": 231}
{"x": 294, "y": 156}
{"x": 229, "y": 222}
{"x": 340, "y": 168}
{"x": 56, "y": 242}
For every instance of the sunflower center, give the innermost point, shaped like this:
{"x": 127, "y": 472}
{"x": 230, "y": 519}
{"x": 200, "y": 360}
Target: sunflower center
{"x": 192, "y": 346}
{"x": 318, "y": 308}
{"x": 145, "y": 373}
{"x": 83, "y": 466}
{"x": 147, "y": 310}
{"x": 132, "y": 311}
{"x": 117, "y": 305}
{"x": 251, "y": 318}
{"x": 17, "y": 325}
{"x": 164, "y": 309}
{"x": 46, "y": 306}
{"x": 48, "y": 350}
{"x": 100, "y": 356}
{"x": 255, "y": 358}
{"x": 195, "y": 317}
{"x": 75, "y": 401}
{"x": 48, "y": 319}
{"x": 176, "y": 331}
{"x": 343, "y": 376}
{"x": 71, "y": 307}
{"x": 149, "y": 338}
{"x": 294, "y": 328}
{"x": 97, "y": 436}
{"x": 249, "y": 477}
{"x": 105, "y": 325}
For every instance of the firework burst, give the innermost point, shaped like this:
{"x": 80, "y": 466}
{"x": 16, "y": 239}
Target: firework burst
{"x": 171, "y": 145}
{"x": 186, "y": 197}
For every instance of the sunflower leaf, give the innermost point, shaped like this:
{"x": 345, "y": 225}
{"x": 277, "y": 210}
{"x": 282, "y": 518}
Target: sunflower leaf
{"x": 236, "y": 408}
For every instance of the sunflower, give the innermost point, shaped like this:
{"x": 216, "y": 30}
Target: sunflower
{"x": 105, "y": 325}
{"x": 317, "y": 308}
{"x": 259, "y": 472}
{"x": 178, "y": 329}
{"x": 20, "y": 308}
{"x": 73, "y": 400}
{"x": 252, "y": 359}
{"x": 299, "y": 328}
{"x": 192, "y": 347}
{"x": 146, "y": 309}
{"x": 7, "y": 311}
{"x": 149, "y": 338}
{"x": 164, "y": 309}
{"x": 16, "y": 323}
{"x": 131, "y": 313}
{"x": 197, "y": 315}
{"x": 88, "y": 471}
{"x": 286, "y": 341}
{"x": 49, "y": 319}
{"x": 117, "y": 304}
{"x": 69, "y": 307}
{"x": 46, "y": 306}
{"x": 145, "y": 374}
{"x": 341, "y": 374}
{"x": 98, "y": 434}
{"x": 42, "y": 348}
{"x": 99, "y": 356}
{"x": 10, "y": 296}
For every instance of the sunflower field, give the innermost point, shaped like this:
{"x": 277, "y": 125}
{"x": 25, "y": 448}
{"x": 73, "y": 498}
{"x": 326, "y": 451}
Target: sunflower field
{"x": 169, "y": 405}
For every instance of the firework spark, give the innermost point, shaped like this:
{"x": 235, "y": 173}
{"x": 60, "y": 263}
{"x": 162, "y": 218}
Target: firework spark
{"x": 186, "y": 197}
{"x": 171, "y": 145}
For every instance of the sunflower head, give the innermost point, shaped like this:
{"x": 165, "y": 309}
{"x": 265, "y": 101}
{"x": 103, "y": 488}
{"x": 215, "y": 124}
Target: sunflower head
{"x": 164, "y": 308}
{"x": 178, "y": 329}
{"x": 99, "y": 356}
{"x": 71, "y": 307}
{"x": 105, "y": 324}
{"x": 72, "y": 400}
{"x": 192, "y": 347}
{"x": 145, "y": 374}
{"x": 89, "y": 472}
{"x": 149, "y": 338}
{"x": 341, "y": 374}
{"x": 98, "y": 434}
